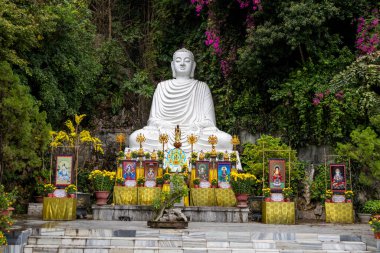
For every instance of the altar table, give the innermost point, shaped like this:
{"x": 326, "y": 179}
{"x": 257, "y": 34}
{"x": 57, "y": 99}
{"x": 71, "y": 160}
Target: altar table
{"x": 278, "y": 212}
{"x": 339, "y": 212}
{"x": 59, "y": 208}
{"x": 212, "y": 197}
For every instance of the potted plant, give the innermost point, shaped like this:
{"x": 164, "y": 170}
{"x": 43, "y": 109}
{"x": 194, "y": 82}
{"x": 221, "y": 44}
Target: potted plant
{"x": 140, "y": 181}
{"x": 266, "y": 194}
{"x": 242, "y": 184}
{"x": 39, "y": 190}
{"x": 349, "y": 195}
{"x": 375, "y": 226}
{"x": 371, "y": 207}
{"x": 196, "y": 182}
{"x": 159, "y": 181}
{"x": 103, "y": 182}
{"x": 49, "y": 189}
{"x": 220, "y": 156}
{"x": 328, "y": 195}
{"x": 71, "y": 189}
{"x": 288, "y": 193}
{"x": 214, "y": 183}
{"x": 167, "y": 200}
{"x": 119, "y": 181}
{"x": 166, "y": 178}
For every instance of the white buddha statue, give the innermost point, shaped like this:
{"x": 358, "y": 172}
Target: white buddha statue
{"x": 182, "y": 101}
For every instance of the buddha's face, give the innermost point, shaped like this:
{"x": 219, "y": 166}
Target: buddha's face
{"x": 183, "y": 64}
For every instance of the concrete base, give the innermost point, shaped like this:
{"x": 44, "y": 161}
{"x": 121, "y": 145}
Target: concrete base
{"x": 195, "y": 213}
{"x": 35, "y": 210}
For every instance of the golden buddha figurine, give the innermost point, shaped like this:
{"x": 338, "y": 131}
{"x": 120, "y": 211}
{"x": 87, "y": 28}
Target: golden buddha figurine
{"x": 226, "y": 157}
{"x": 128, "y": 155}
{"x": 154, "y": 155}
{"x": 201, "y": 155}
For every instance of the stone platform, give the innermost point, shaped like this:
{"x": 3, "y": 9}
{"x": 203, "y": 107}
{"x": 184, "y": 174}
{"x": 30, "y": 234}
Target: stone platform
{"x": 194, "y": 213}
{"x": 85, "y": 236}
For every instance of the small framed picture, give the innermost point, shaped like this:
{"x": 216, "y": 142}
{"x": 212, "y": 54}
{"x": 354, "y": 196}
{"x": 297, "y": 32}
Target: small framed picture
{"x": 202, "y": 170}
{"x": 129, "y": 169}
{"x": 224, "y": 173}
{"x": 63, "y": 170}
{"x": 338, "y": 177}
{"x": 151, "y": 169}
{"x": 277, "y": 174}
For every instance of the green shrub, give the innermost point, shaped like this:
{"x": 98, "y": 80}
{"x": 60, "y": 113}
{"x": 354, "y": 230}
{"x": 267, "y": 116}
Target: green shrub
{"x": 372, "y": 207}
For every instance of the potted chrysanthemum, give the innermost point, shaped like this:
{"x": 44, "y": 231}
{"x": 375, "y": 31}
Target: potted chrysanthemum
{"x": 103, "y": 182}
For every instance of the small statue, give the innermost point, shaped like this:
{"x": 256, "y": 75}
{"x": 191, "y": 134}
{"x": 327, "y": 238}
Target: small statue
{"x": 177, "y": 137}
{"x": 201, "y": 155}
{"x": 226, "y": 157}
{"x": 154, "y": 155}
{"x": 128, "y": 155}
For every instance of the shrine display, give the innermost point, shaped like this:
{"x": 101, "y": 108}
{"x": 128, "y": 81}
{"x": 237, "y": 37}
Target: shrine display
{"x": 338, "y": 177}
{"x": 129, "y": 172}
{"x": 64, "y": 167}
{"x": 151, "y": 169}
{"x": 203, "y": 172}
{"x": 277, "y": 174}
{"x": 224, "y": 174}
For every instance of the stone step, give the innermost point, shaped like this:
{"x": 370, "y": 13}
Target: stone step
{"x": 177, "y": 242}
{"x": 122, "y": 249}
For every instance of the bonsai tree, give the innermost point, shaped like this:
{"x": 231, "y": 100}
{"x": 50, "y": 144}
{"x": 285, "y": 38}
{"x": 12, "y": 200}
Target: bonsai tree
{"x": 167, "y": 199}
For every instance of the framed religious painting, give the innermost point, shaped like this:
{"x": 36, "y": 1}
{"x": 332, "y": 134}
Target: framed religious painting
{"x": 224, "y": 173}
{"x": 277, "y": 174}
{"x": 202, "y": 170}
{"x": 64, "y": 170}
{"x": 129, "y": 172}
{"x": 338, "y": 177}
{"x": 150, "y": 169}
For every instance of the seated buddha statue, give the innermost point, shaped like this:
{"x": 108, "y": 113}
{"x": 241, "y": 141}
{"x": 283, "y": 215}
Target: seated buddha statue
{"x": 185, "y": 102}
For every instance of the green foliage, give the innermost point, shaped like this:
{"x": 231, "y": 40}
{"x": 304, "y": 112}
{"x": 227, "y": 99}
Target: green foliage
{"x": 64, "y": 67}
{"x": 372, "y": 207}
{"x": 318, "y": 185}
{"x": 363, "y": 149}
{"x": 24, "y": 134}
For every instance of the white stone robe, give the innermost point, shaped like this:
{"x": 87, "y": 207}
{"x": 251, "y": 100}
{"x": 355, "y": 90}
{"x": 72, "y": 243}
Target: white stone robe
{"x": 187, "y": 103}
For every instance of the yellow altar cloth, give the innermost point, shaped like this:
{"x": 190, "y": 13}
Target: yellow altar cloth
{"x": 202, "y": 196}
{"x": 59, "y": 208}
{"x": 339, "y": 212}
{"x": 146, "y": 195}
{"x": 278, "y": 212}
{"x": 125, "y": 195}
{"x": 225, "y": 197}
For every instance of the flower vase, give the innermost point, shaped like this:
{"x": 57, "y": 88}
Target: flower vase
{"x": 377, "y": 235}
{"x": 348, "y": 200}
{"x": 50, "y": 195}
{"x": 328, "y": 201}
{"x": 72, "y": 195}
{"x": 196, "y": 186}
{"x": 101, "y": 197}
{"x": 242, "y": 200}
{"x": 267, "y": 199}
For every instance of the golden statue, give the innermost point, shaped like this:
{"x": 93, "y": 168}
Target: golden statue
{"x": 128, "y": 155}
{"x": 226, "y": 157}
{"x": 177, "y": 137}
{"x": 154, "y": 155}
{"x": 201, "y": 155}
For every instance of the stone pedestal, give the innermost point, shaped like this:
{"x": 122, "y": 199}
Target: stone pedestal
{"x": 35, "y": 209}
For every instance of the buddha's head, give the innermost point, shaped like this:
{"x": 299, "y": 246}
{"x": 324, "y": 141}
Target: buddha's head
{"x": 183, "y": 64}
